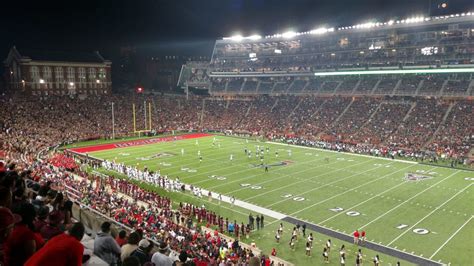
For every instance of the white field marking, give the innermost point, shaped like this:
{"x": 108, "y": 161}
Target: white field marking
{"x": 426, "y": 216}
{"x": 272, "y": 180}
{"x": 346, "y": 153}
{"x": 369, "y": 199}
{"x": 316, "y": 188}
{"x": 451, "y": 237}
{"x": 264, "y": 173}
{"x": 407, "y": 200}
{"x": 303, "y": 181}
{"x": 342, "y": 193}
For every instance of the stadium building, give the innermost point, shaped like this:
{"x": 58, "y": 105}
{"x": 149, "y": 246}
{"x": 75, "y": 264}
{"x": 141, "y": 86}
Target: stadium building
{"x": 57, "y": 73}
{"x": 416, "y": 56}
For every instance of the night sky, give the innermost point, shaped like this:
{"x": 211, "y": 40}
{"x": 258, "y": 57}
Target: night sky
{"x": 183, "y": 26}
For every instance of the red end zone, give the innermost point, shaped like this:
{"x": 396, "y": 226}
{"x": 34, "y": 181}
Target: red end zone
{"x": 132, "y": 143}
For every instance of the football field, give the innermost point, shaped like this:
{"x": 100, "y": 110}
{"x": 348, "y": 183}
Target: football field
{"x": 420, "y": 210}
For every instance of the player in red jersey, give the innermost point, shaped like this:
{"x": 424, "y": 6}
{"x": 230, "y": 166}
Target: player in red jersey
{"x": 356, "y": 237}
{"x": 362, "y": 236}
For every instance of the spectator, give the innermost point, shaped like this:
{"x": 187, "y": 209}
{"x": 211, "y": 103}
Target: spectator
{"x": 131, "y": 246}
{"x": 121, "y": 239}
{"x": 7, "y": 223}
{"x": 183, "y": 257}
{"x": 143, "y": 251}
{"x": 161, "y": 257}
{"x": 22, "y": 243}
{"x": 105, "y": 246}
{"x": 131, "y": 261}
{"x": 53, "y": 227}
{"x": 62, "y": 250}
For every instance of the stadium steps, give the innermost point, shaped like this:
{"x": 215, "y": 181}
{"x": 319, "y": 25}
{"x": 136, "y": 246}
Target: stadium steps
{"x": 275, "y": 104}
{"x": 319, "y": 108}
{"x": 413, "y": 105}
{"x": 202, "y": 112}
{"x": 226, "y": 85}
{"x": 242, "y": 86}
{"x": 273, "y": 88}
{"x": 337, "y": 119}
{"x": 395, "y": 89}
{"x": 337, "y": 87}
{"x": 356, "y": 86}
{"x": 441, "y": 124}
{"x": 443, "y": 87}
{"x": 305, "y": 86}
{"x": 418, "y": 88}
{"x": 294, "y": 109}
{"x": 289, "y": 87}
{"x": 258, "y": 86}
{"x": 373, "y": 114}
{"x": 375, "y": 87}
{"x": 470, "y": 88}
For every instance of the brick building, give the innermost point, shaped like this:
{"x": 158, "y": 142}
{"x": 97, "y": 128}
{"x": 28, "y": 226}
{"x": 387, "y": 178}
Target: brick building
{"x": 57, "y": 73}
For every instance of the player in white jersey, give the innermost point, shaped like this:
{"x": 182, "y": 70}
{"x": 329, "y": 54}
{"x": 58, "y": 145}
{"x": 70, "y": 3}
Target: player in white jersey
{"x": 231, "y": 157}
{"x": 199, "y": 152}
{"x": 182, "y": 152}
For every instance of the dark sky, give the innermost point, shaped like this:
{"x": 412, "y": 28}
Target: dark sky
{"x": 182, "y": 26}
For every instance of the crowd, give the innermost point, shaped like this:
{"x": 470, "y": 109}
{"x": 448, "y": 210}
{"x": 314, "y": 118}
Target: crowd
{"x": 28, "y": 126}
{"x": 37, "y": 225}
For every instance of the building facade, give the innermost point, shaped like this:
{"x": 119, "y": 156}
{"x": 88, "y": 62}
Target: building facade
{"x": 56, "y": 73}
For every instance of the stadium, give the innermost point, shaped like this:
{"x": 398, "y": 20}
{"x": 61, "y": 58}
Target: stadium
{"x": 334, "y": 145}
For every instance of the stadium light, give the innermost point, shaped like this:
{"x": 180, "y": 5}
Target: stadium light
{"x": 254, "y": 37}
{"x": 396, "y": 71}
{"x": 97, "y": 81}
{"x": 288, "y": 34}
{"x": 71, "y": 83}
{"x": 41, "y": 81}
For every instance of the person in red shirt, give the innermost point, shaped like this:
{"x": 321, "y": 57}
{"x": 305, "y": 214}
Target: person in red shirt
{"x": 23, "y": 242}
{"x": 356, "y": 237}
{"x": 274, "y": 252}
{"x": 362, "y": 236}
{"x": 64, "y": 249}
{"x": 121, "y": 239}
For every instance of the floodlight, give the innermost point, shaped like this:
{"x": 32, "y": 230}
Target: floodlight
{"x": 289, "y": 34}
{"x": 254, "y": 37}
{"x": 41, "y": 81}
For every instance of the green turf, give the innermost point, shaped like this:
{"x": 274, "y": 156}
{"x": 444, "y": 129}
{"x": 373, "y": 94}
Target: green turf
{"x": 373, "y": 187}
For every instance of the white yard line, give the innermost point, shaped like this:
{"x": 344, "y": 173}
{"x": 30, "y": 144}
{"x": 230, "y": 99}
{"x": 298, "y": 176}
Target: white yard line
{"x": 349, "y": 190}
{"x": 303, "y": 181}
{"x": 429, "y": 214}
{"x": 407, "y": 200}
{"x": 451, "y": 237}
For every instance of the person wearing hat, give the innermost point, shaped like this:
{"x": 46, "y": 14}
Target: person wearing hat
{"x": 62, "y": 250}
{"x": 161, "y": 257}
{"x": 22, "y": 242}
{"x": 143, "y": 251}
{"x": 52, "y": 229}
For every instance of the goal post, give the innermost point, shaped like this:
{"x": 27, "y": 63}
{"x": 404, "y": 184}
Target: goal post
{"x": 148, "y": 125}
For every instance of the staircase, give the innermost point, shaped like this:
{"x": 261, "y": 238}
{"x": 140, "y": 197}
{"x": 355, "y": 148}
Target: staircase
{"x": 469, "y": 91}
{"x": 405, "y": 118}
{"x": 203, "y": 106}
{"x": 375, "y": 86}
{"x": 445, "y": 83}
{"x": 345, "y": 110}
{"x": 420, "y": 85}
{"x": 356, "y": 86}
{"x": 399, "y": 82}
{"x": 441, "y": 124}
{"x": 258, "y": 86}
{"x": 305, "y": 86}
{"x": 289, "y": 87}
{"x": 293, "y": 111}
{"x": 337, "y": 87}
{"x": 373, "y": 114}
{"x": 242, "y": 86}
{"x": 274, "y": 105}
